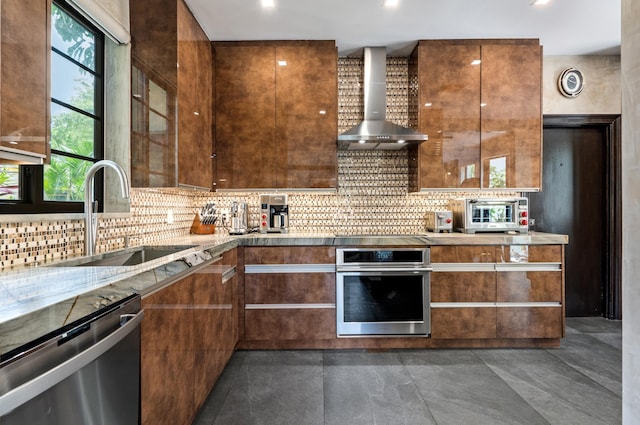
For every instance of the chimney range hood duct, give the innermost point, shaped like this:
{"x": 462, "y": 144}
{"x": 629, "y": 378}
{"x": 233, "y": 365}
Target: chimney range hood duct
{"x": 375, "y": 132}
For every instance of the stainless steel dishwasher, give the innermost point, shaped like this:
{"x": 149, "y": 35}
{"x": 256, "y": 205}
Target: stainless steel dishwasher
{"x": 87, "y": 372}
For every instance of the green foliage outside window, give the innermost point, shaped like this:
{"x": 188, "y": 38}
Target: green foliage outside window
{"x": 71, "y": 131}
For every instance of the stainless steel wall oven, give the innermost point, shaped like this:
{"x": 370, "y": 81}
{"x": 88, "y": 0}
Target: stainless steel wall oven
{"x": 383, "y": 291}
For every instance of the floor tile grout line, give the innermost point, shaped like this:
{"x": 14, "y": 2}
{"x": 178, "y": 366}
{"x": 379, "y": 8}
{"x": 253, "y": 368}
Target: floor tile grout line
{"x": 415, "y": 385}
{"x": 507, "y": 384}
{"x": 583, "y": 374}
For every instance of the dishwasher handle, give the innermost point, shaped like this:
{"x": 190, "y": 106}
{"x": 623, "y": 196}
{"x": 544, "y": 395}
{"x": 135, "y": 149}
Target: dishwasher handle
{"x": 29, "y": 390}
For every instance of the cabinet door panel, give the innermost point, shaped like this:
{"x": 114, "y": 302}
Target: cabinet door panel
{"x": 449, "y": 112}
{"x": 167, "y": 355}
{"x": 24, "y": 98}
{"x": 529, "y": 322}
{"x": 307, "y": 115}
{"x": 207, "y": 318}
{"x": 463, "y": 287}
{"x": 245, "y": 117}
{"x": 463, "y": 322}
{"x": 290, "y": 255}
{"x": 534, "y": 253}
{"x": 529, "y": 286}
{"x": 511, "y": 121}
{"x": 287, "y": 324}
{"x": 291, "y": 288}
{"x": 462, "y": 254}
{"x": 195, "y": 80}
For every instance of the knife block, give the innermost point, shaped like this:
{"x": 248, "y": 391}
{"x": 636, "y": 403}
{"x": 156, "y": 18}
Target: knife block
{"x": 201, "y": 229}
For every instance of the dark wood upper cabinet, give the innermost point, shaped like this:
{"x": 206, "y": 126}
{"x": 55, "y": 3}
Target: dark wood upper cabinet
{"x": 195, "y": 102}
{"x": 24, "y": 64}
{"x": 172, "y": 102}
{"x": 480, "y": 102}
{"x": 276, "y": 124}
{"x": 511, "y": 117}
{"x": 307, "y": 115}
{"x": 245, "y": 116}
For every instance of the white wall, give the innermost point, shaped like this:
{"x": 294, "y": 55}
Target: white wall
{"x": 630, "y": 212}
{"x": 602, "y": 90}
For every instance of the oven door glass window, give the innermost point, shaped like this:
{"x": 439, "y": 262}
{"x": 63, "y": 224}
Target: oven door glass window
{"x": 375, "y": 298}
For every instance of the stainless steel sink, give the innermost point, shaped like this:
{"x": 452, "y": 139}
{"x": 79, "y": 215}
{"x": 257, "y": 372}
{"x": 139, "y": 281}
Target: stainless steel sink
{"x": 127, "y": 256}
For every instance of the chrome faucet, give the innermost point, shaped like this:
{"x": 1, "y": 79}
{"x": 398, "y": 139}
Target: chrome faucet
{"x": 90, "y": 219}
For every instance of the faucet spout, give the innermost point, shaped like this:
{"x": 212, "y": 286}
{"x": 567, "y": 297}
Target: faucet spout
{"x": 90, "y": 220}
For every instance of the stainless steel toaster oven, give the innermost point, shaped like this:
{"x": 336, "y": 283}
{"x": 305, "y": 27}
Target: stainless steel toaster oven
{"x": 471, "y": 215}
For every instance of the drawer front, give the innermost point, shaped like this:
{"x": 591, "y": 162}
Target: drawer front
{"x": 463, "y": 322}
{"x": 530, "y": 253}
{"x": 529, "y": 322}
{"x": 266, "y": 324}
{"x": 279, "y": 288}
{"x": 529, "y": 286}
{"x": 463, "y": 254}
{"x": 463, "y": 287}
{"x": 290, "y": 255}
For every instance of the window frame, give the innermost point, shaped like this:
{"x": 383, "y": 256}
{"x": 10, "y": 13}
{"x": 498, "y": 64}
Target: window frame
{"x": 31, "y": 177}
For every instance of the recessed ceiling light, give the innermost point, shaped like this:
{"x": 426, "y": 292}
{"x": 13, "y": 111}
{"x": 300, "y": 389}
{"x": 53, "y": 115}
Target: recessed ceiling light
{"x": 428, "y": 104}
{"x": 476, "y": 62}
{"x": 323, "y": 112}
{"x": 390, "y": 3}
{"x": 482, "y": 105}
{"x": 268, "y": 3}
{"x": 282, "y": 63}
{"x": 400, "y": 141}
{"x": 539, "y": 2}
{"x": 362, "y": 141}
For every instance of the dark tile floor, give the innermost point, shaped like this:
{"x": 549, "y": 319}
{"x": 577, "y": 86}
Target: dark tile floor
{"x": 577, "y": 383}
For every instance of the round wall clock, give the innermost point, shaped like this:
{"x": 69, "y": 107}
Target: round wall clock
{"x": 570, "y": 82}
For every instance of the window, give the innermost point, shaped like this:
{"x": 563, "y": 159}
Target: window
{"x": 76, "y": 125}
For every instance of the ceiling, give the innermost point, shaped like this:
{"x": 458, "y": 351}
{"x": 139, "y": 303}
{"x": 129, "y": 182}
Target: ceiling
{"x": 564, "y": 27}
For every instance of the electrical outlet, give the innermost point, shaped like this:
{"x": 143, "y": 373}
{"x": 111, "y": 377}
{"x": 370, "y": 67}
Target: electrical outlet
{"x": 169, "y": 216}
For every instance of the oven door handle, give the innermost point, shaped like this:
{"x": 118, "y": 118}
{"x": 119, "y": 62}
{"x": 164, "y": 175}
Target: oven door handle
{"x": 385, "y": 269}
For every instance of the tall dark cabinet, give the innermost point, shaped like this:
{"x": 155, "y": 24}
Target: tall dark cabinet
{"x": 171, "y": 141}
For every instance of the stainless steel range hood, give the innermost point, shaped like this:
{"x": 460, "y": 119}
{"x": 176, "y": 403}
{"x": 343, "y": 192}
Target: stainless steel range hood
{"x": 375, "y": 132}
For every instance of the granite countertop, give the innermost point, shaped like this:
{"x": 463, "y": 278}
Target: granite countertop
{"x": 38, "y": 300}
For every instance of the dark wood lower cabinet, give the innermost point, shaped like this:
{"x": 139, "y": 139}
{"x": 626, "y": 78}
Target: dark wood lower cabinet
{"x": 511, "y": 299}
{"x": 188, "y": 335}
{"x": 463, "y": 323}
{"x": 529, "y": 322}
{"x": 167, "y": 355}
{"x": 290, "y": 324}
{"x": 463, "y": 287}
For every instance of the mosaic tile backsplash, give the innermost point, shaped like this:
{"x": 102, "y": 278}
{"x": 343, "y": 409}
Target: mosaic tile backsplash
{"x": 372, "y": 195}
